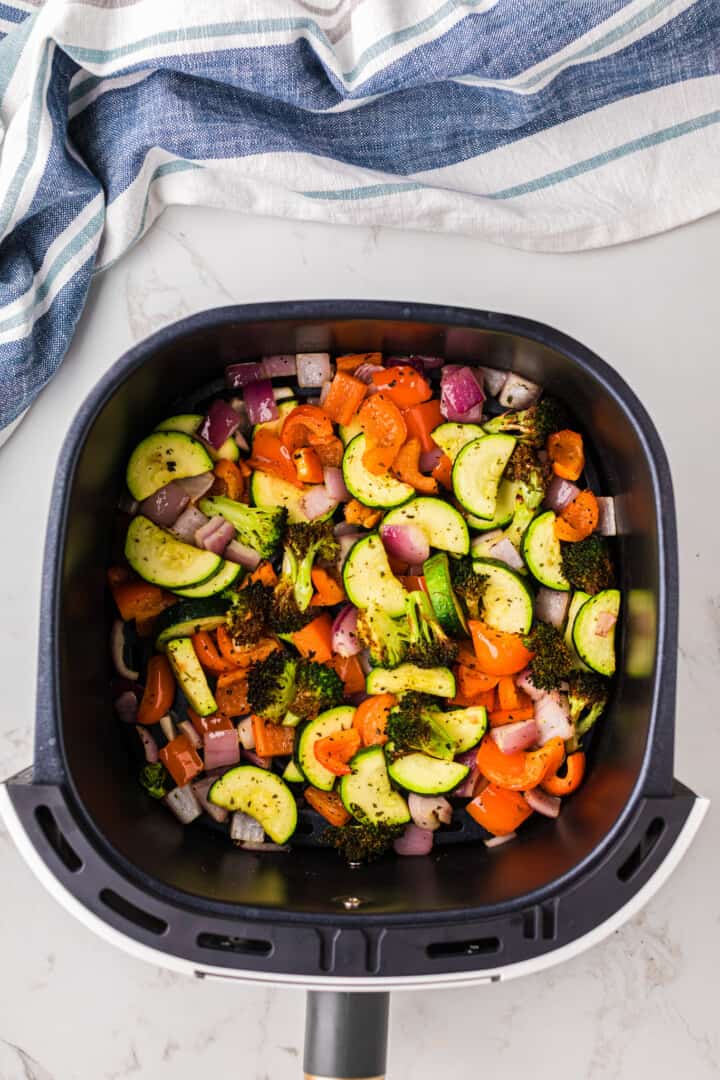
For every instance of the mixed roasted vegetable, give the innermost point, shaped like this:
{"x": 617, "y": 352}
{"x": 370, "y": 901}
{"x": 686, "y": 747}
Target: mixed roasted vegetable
{"x": 385, "y": 597}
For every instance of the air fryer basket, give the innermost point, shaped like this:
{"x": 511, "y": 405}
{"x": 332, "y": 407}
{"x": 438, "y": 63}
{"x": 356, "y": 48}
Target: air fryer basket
{"x": 463, "y": 914}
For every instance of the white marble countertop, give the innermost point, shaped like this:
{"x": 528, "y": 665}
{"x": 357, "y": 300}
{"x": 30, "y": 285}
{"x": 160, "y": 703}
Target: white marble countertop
{"x": 641, "y": 1004}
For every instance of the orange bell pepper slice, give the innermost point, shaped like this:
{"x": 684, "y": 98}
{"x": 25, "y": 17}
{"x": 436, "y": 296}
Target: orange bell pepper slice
{"x": 306, "y": 425}
{"x": 314, "y": 641}
{"x": 520, "y": 771}
{"x": 206, "y": 651}
{"x": 565, "y": 450}
{"x": 270, "y": 456}
{"x": 443, "y": 472}
{"x": 406, "y": 467}
{"x": 181, "y": 760}
{"x": 231, "y": 479}
{"x": 471, "y": 682}
{"x": 344, "y": 397}
{"x": 159, "y": 692}
{"x": 421, "y": 420}
{"x": 307, "y": 465}
{"x": 499, "y": 811}
{"x": 498, "y": 717}
{"x": 138, "y": 600}
{"x": 357, "y": 514}
{"x": 497, "y": 652}
{"x": 272, "y": 739}
{"x": 487, "y": 700}
{"x": 350, "y": 671}
{"x": 330, "y": 452}
{"x": 579, "y": 518}
{"x": 231, "y": 693}
{"x": 336, "y": 750}
{"x": 509, "y": 697}
{"x": 203, "y": 724}
{"x": 328, "y": 591}
{"x": 264, "y": 573}
{"x": 370, "y": 719}
{"x": 242, "y": 656}
{"x": 565, "y": 785}
{"x": 385, "y": 432}
{"x": 327, "y": 803}
{"x": 403, "y": 385}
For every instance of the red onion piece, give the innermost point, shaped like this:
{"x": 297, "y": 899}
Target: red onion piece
{"x": 346, "y": 528}
{"x": 126, "y": 706}
{"x": 414, "y": 841}
{"x": 184, "y": 805}
{"x": 244, "y": 828}
{"x": 255, "y": 759}
{"x": 189, "y": 522}
{"x": 405, "y": 361}
{"x": 186, "y": 727}
{"x": 167, "y": 727}
{"x": 551, "y": 606}
{"x": 246, "y": 733}
{"x": 166, "y": 504}
{"x": 260, "y": 402}
{"x": 335, "y": 485}
{"x": 117, "y": 651}
{"x": 468, "y": 757}
{"x": 548, "y": 805}
{"x": 460, "y": 393}
{"x": 560, "y": 493}
{"x": 405, "y": 542}
{"x": 468, "y": 788}
{"x": 345, "y": 641}
{"x": 524, "y": 682}
{"x": 221, "y": 748}
{"x": 506, "y": 552}
{"x": 216, "y": 535}
{"x": 498, "y": 841}
{"x": 317, "y": 502}
{"x": 239, "y": 375}
{"x": 429, "y": 459}
{"x": 512, "y": 738}
{"x": 607, "y": 523}
{"x": 220, "y": 424}
{"x": 605, "y": 622}
{"x": 347, "y": 541}
{"x": 200, "y": 791}
{"x": 149, "y": 744}
{"x": 552, "y": 716}
{"x": 364, "y": 658}
{"x": 429, "y": 811}
{"x": 279, "y": 365}
{"x": 242, "y": 554}
{"x": 196, "y": 486}
{"x": 518, "y": 392}
{"x": 366, "y": 371}
{"x": 313, "y": 369}
{"x": 493, "y": 380}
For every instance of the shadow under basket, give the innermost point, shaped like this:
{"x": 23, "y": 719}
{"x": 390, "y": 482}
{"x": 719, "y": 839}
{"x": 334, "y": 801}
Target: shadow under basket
{"x": 187, "y": 898}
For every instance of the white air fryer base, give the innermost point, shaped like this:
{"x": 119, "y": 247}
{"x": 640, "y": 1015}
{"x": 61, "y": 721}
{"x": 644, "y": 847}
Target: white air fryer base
{"x": 299, "y": 982}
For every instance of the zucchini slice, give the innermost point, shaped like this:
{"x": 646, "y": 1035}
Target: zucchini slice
{"x": 451, "y": 437}
{"x": 191, "y": 677}
{"x": 369, "y": 580}
{"x": 578, "y": 599}
{"x": 464, "y": 727}
{"x": 226, "y": 576}
{"x": 541, "y": 551}
{"x": 507, "y": 600}
{"x": 443, "y": 525}
{"x": 595, "y": 647}
{"x": 477, "y": 473}
{"x": 366, "y": 792}
{"x": 327, "y": 723}
{"x": 189, "y": 423}
{"x": 348, "y": 432}
{"x": 262, "y": 795}
{"x": 162, "y": 559}
{"x": 292, "y": 774}
{"x": 436, "y": 680}
{"x": 162, "y": 457}
{"x": 504, "y": 509}
{"x": 446, "y": 606}
{"x": 426, "y": 775}
{"x": 270, "y": 491}
{"x": 189, "y": 617}
{"x": 371, "y": 490}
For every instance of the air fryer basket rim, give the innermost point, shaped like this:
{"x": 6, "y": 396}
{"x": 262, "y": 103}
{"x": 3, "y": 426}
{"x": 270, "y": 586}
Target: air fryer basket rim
{"x": 655, "y": 775}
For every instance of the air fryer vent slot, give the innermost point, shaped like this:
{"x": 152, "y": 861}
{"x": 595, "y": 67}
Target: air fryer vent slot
{"x": 629, "y": 868}
{"x": 478, "y": 947}
{"x": 237, "y": 945}
{"x": 541, "y": 922}
{"x": 133, "y": 914}
{"x": 57, "y": 839}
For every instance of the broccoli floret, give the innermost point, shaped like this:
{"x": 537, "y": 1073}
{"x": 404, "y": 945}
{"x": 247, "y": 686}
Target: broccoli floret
{"x": 283, "y": 615}
{"x": 533, "y": 425}
{"x": 469, "y": 586}
{"x": 304, "y": 543}
{"x": 247, "y": 616}
{"x": 361, "y": 841}
{"x": 587, "y": 697}
{"x": 271, "y": 685}
{"x": 317, "y": 688}
{"x": 385, "y": 637}
{"x": 552, "y": 661}
{"x": 587, "y": 564}
{"x": 428, "y": 644}
{"x": 156, "y": 780}
{"x": 410, "y": 727}
{"x": 531, "y": 478}
{"x": 259, "y": 527}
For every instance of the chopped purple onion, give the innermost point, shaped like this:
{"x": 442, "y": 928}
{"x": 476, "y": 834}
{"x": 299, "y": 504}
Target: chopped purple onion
{"x": 166, "y": 504}
{"x": 189, "y": 522}
{"x": 242, "y": 554}
{"x": 184, "y": 805}
{"x": 200, "y": 791}
{"x": 240, "y": 375}
{"x": 345, "y": 641}
{"x": 260, "y": 402}
{"x": 196, "y": 486}
{"x": 518, "y": 392}
{"x": 149, "y": 744}
{"x": 461, "y": 394}
{"x": 279, "y": 366}
{"x": 220, "y": 424}
{"x": 313, "y": 369}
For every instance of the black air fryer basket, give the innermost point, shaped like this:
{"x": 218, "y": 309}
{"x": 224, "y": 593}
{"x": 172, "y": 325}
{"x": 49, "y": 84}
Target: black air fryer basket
{"x": 185, "y": 897}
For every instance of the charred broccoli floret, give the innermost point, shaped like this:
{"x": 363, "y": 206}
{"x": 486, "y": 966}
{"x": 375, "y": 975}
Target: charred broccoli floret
{"x": 259, "y": 527}
{"x": 428, "y": 644}
{"x": 361, "y": 841}
{"x": 531, "y": 425}
{"x": 317, "y": 688}
{"x": 410, "y": 726}
{"x": 304, "y": 543}
{"x": 283, "y": 614}
{"x": 587, "y": 697}
{"x": 469, "y": 586}
{"x": 385, "y": 637}
{"x": 248, "y": 614}
{"x": 587, "y": 564}
{"x": 156, "y": 780}
{"x": 531, "y": 478}
{"x": 271, "y": 685}
{"x": 552, "y": 661}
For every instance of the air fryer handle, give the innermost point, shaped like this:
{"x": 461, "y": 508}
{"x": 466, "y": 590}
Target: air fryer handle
{"x": 346, "y": 1036}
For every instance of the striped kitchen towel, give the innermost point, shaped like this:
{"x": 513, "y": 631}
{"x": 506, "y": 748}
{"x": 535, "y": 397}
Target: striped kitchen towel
{"x": 553, "y": 125}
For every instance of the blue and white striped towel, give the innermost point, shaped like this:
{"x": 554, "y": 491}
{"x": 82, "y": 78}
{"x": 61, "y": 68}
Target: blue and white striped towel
{"x": 547, "y": 124}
